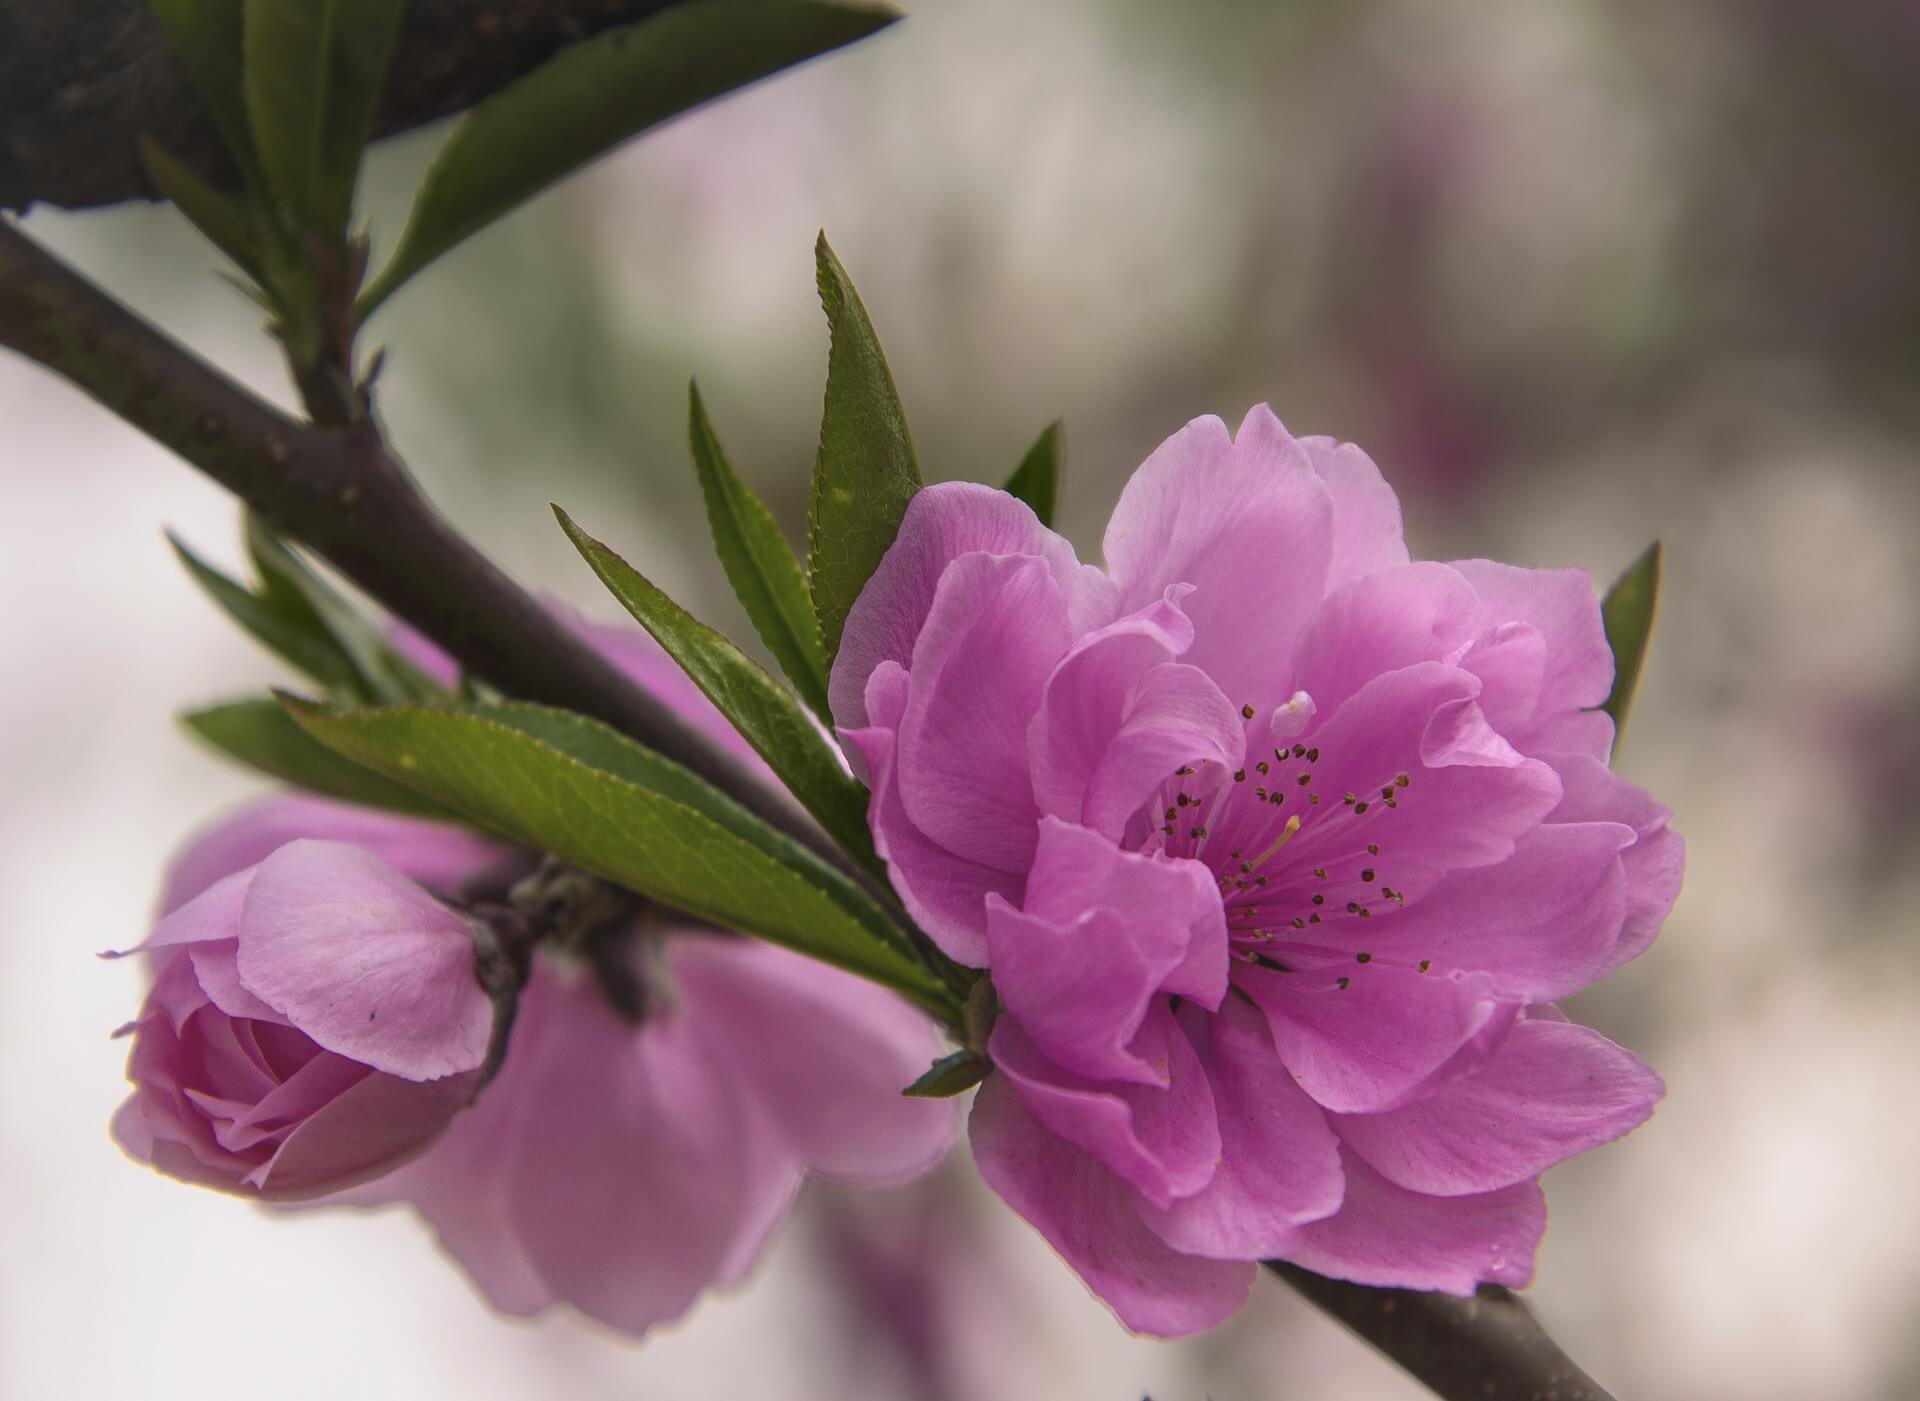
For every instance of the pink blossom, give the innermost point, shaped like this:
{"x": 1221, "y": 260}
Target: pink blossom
{"x": 620, "y": 1166}
{"x": 314, "y": 1023}
{"x": 1280, "y": 848}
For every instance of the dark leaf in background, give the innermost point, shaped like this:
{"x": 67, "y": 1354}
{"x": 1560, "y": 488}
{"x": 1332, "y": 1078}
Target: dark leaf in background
{"x": 597, "y": 93}
{"x": 1629, "y": 610}
{"x": 1036, "y": 480}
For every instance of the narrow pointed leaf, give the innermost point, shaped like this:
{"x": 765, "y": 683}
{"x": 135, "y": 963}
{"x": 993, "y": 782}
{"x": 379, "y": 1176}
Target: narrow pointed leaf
{"x": 224, "y": 218}
{"x": 293, "y": 588}
{"x": 1629, "y": 611}
{"x": 865, "y": 473}
{"x": 760, "y": 565}
{"x": 950, "y": 1075}
{"x": 597, "y": 93}
{"x": 761, "y": 709}
{"x": 312, "y": 76}
{"x": 301, "y": 641}
{"x": 261, "y": 735}
{"x": 207, "y": 36}
{"x": 1037, "y": 479}
{"x": 624, "y": 813}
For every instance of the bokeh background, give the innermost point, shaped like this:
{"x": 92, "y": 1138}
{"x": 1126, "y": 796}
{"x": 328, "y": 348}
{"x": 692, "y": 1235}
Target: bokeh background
{"x": 1577, "y": 275}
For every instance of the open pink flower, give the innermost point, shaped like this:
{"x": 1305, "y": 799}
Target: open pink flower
{"x": 1280, "y": 848}
{"x": 620, "y": 1166}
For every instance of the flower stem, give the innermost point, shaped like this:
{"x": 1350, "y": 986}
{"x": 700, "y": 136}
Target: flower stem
{"x": 1487, "y": 1348}
{"x": 343, "y": 493}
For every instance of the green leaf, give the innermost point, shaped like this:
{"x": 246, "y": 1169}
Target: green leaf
{"x": 763, "y": 711}
{"x": 760, "y": 565}
{"x": 305, "y": 645}
{"x": 595, "y": 94}
{"x": 207, "y": 35}
{"x": 312, "y": 77}
{"x": 292, "y": 587}
{"x": 1036, "y": 480}
{"x": 865, "y": 473}
{"x": 261, "y": 735}
{"x": 951, "y": 1075}
{"x": 1629, "y": 610}
{"x": 225, "y": 219}
{"x": 567, "y": 785}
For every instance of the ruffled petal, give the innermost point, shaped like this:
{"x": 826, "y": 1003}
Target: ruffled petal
{"x": 1388, "y": 619}
{"x": 1367, "y": 530}
{"x": 1362, "y": 1038}
{"x": 945, "y": 894}
{"x": 997, "y": 627}
{"x": 364, "y": 961}
{"x": 1116, "y": 719}
{"x": 1088, "y": 1215}
{"x": 1388, "y": 1237}
{"x": 943, "y": 523}
{"x": 1655, "y": 864}
{"x": 1104, "y": 932}
{"x": 1540, "y": 925}
{"x": 826, "y": 1053}
{"x": 1279, "y": 1161}
{"x": 1468, "y": 798}
{"x": 1552, "y": 1090}
{"x": 1577, "y": 665}
{"x": 1249, "y": 524}
{"x": 1161, "y": 1139}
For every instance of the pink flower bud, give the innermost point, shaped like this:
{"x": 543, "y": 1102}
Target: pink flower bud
{"x": 314, "y": 1022}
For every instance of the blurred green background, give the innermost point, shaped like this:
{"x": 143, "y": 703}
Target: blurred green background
{"x": 1576, "y": 275}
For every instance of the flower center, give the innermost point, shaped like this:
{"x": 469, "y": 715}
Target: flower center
{"x": 1301, "y": 871}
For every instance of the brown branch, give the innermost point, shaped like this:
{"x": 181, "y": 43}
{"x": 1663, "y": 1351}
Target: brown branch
{"x": 80, "y": 80}
{"x": 1487, "y": 1348}
{"x": 342, "y": 493}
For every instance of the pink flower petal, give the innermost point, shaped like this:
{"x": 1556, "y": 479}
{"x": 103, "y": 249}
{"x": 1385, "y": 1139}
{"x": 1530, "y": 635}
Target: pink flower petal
{"x": 1577, "y": 671}
{"x": 1367, "y": 1039}
{"x": 1540, "y": 925}
{"x": 826, "y": 1053}
{"x": 212, "y": 914}
{"x": 364, "y": 961}
{"x": 1162, "y": 1139}
{"x": 437, "y": 855}
{"x": 1386, "y": 1236}
{"x": 996, "y": 629}
{"x": 1088, "y": 1215}
{"x": 1655, "y": 864}
{"x": 1279, "y": 1161}
{"x": 1552, "y": 1090}
{"x": 640, "y": 1176}
{"x": 1389, "y": 619}
{"x": 1249, "y": 524}
{"x": 941, "y": 524}
{"x": 945, "y": 894}
{"x": 1367, "y": 533}
{"x": 1104, "y": 933}
{"x": 364, "y": 1131}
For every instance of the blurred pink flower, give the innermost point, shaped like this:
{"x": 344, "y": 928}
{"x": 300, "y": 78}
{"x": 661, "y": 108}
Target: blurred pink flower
{"x": 619, "y": 1166}
{"x": 1279, "y": 847}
